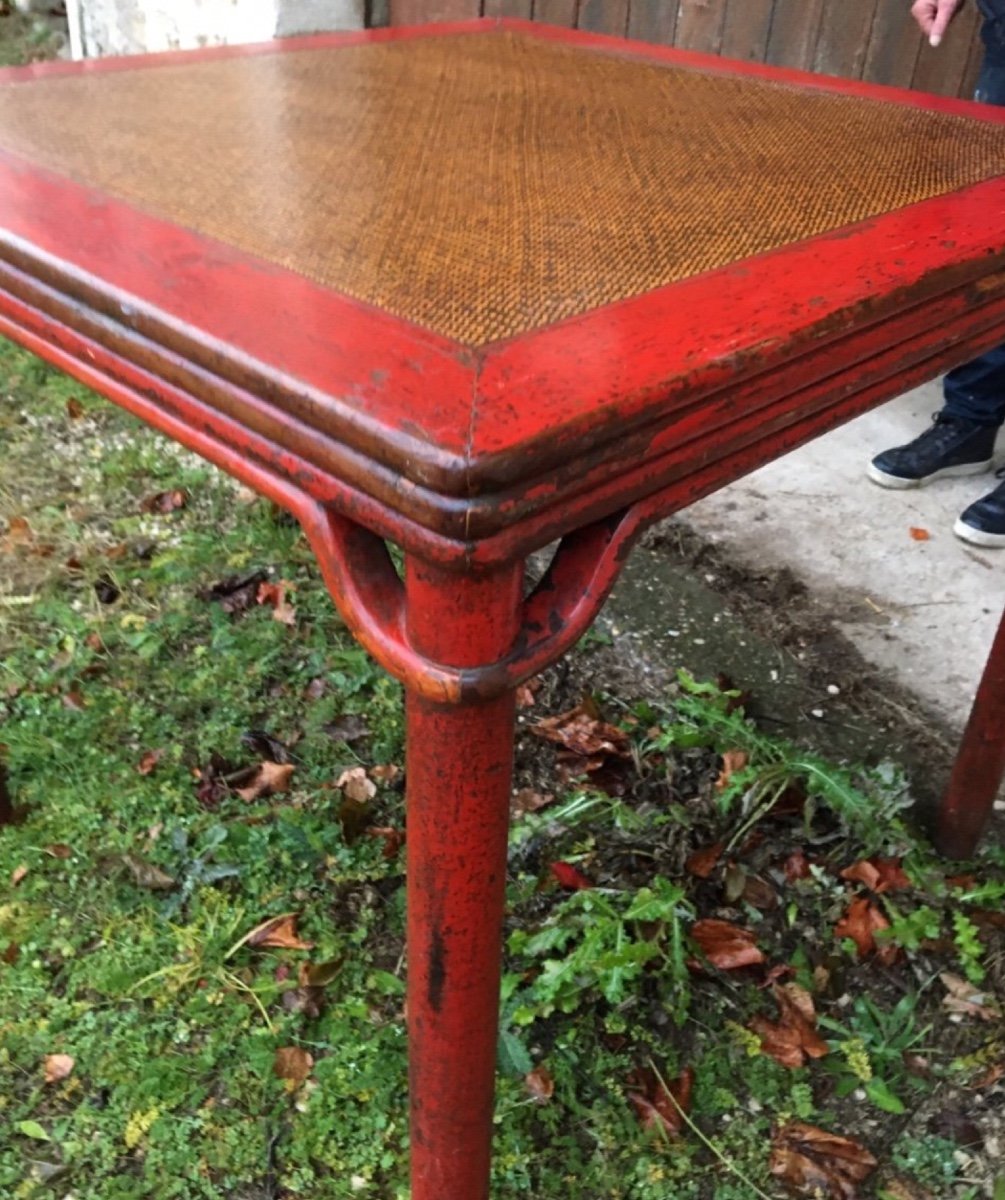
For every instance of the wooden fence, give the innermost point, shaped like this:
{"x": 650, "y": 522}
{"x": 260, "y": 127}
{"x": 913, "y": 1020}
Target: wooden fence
{"x": 864, "y": 39}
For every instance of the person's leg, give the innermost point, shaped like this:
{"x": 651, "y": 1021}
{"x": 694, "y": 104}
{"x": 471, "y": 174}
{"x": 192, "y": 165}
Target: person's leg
{"x": 962, "y": 437}
{"x": 980, "y": 386}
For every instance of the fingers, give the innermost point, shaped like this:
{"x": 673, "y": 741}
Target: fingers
{"x": 934, "y": 17}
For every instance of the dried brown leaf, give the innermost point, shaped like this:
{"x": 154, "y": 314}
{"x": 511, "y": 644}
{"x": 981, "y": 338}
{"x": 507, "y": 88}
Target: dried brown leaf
{"x": 732, "y": 761}
{"x": 797, "y": 866}
{"x": 148, "y": 761}
{"x": 18, "y": 874}
{"x": 793, "y": 1038}
{"x": 269, "y": 779}
{"x": 584, "y": 734}
{"x": 393, "y": 839}
{"x": 861, "y": 923}
{"x": 292, "y": 1064}
{"x": 660, "y": 1105}
{"x": 165, "y": 502}
{"x": 277, "y": 932}
{"x": 146, "y": 875}
{"x": 539, "y": 1084}
{"x": 725, "y": 945}
{"x": 526, "y": 800}
{"x": 879, "y": 875}
{"x": 962, "y": 997}
{"x": 812, "y": 1162}
{"x": 702, "y": 862}
{"x": 274, "y": 594}
{"x": 348, "y": 728}
{"x": 58, "y": 1067}
{"x": 356, "y": 785}
{"x": 59, "y": 850}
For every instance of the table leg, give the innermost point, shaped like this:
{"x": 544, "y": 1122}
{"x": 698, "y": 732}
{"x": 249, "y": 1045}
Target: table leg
{"x": 459, "y": 770}
{"x": 980, "y": 764}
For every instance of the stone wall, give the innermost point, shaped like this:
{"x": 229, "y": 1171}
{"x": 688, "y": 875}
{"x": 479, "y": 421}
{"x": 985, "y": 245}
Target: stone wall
{"x": 100, "y": 27}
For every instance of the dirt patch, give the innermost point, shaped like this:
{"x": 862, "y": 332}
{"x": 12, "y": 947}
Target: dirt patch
{"x": 868, "y": 714}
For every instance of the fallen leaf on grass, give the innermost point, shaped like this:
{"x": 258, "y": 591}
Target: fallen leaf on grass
{"x": 347, "y": 728}
{"x": 59, "y": 850}
{"x": 797, "y": 866}
{"x": 275, "y": 595}
{"x": 539, "y": 1084}
{"x": 732, "y": 761}
{"x": 989, "y": 1077}
{"x": 18, "y": 874}
{"x": 269, "y": 779}
{"x": 583, "y": 734}
{"x": 900, "y": 1189}
{"x": 526, "y": 693}
{"x": 659, "y": 1105}
{"x": 385, "y": 773}
{"x": 813, "y": 1162}
{"x": 74, "y": 409}
{"x": 58, "y": 1067}
{"x": 266, "y": 745}
{"x": 148, "y": 761}
{"x": 962, "y": 997}
{"x": 726, "y": 946}
{"x": 919, "y": 535}
{"x": 165, "y": 502}
{"x": 701, "y": 862}
{"x": 74, "y": 701}
{"x": 526, "y": 800}
{"x": 393, "y": 839}
{"x": 19, "y": 533}
{"x": 147, "y": 875}
{"x": 861, "y": 923}
{"x": 278, "y": 933}
{"x": 236, "y": 593}
{"x": 11, "y": 954}
{"x": 570, "y": 877}
{"x": 794, "y": 1037}
{"x": 356, "y": 786}
{"x": 878, "y": 874}
{"x": 292, "y": 1064}
{"x": 308, "y": 997}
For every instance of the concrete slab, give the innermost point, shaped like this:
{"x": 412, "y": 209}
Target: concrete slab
{"x": 923, "y": 610}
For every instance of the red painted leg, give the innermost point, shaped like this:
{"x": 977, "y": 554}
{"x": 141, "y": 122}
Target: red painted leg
{"x": 980, "y": 763}
{"x": 460, "y": 759}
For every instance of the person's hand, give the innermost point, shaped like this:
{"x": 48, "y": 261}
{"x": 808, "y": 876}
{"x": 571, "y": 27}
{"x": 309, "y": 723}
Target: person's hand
{"x": 934, "y": 16}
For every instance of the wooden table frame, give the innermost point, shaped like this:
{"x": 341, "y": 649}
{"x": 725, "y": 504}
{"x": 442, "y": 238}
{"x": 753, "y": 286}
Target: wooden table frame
{"x": 624, "y": 427}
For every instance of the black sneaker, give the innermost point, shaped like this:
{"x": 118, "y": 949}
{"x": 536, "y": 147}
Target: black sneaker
{"x": 983, "y": 523}
{"x": 952, "y": 446}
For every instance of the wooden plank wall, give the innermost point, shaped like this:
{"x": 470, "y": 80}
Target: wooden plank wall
{"x": 862, "y": 39}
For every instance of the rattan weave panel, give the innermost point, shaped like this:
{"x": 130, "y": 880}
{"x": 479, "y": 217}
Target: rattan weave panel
{"x": 486, "y": 184}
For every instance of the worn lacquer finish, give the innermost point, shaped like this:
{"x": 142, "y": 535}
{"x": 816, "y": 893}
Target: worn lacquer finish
{"x": 586, "y": 415}
{"x": 459, "y": 767}
{"x": 980, "y": 764}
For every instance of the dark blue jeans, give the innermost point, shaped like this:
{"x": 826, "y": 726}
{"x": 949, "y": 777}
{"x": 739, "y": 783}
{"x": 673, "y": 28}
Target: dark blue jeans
{"x": 976, "y": 391}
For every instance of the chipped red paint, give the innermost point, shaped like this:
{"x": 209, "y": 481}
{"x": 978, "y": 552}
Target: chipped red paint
{"x": 459, "y": 773}
{"x": 587, "y": 431}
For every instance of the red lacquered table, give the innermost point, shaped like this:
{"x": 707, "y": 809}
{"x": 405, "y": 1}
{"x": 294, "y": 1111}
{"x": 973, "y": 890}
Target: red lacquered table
{"x": 473, "y": 289}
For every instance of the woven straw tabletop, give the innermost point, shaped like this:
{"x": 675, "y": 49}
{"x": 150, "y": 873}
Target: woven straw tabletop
{"x": 485, "y": 184}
